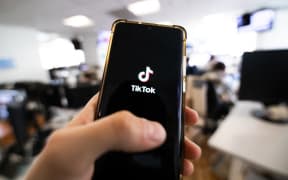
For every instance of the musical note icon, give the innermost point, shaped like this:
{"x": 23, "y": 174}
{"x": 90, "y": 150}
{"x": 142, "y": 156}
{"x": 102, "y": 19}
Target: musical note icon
{"x": 144, "y": 76}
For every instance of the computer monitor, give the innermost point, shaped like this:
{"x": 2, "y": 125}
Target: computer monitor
{"x": 7, "y": 97}
{"x": 260, "y": 20}
{"x": 264, "y": 77}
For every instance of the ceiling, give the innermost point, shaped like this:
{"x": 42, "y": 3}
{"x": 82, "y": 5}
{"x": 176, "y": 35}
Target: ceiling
{"x": 47, "y": 15}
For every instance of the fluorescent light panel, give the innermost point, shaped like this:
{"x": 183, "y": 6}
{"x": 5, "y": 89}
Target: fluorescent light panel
{"x": 78, "y": 21}
{"x": 144, "y": 7}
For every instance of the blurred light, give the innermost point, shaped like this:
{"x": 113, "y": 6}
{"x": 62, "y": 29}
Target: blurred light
{"x": 45, "y": 37}
{"x": 79, "y": 55}
{"x": 165, "y": 23}
{"x": 78, "y": 21}
{"x": 59, "y": 52}
{"x": 103, "y": 37}
{"x": 199, "y": 59}
{"x": 144, "y": 7}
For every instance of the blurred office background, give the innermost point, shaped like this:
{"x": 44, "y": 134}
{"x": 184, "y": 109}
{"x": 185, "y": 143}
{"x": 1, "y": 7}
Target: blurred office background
{"x": 52, "y": 55}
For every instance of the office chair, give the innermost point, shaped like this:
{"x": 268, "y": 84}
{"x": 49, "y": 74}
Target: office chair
{"x": 18, "y": 118}
{"x": 216, "y": 109}
{"x": 19, "y": 122}
{"x": 212, "y": 100}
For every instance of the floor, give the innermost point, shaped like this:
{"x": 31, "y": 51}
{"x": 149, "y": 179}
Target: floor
{"x": 203, "y": 167}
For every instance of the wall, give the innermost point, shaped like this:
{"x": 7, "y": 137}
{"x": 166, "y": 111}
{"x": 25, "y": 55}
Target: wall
{"x": 89, "y": 47}
{"x": 95, "y": 47}
{"x": 20, "y": 44}
{"x": 277, "y": 38}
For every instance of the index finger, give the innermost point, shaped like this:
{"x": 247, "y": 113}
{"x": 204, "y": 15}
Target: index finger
{"x": 86, "y": 115}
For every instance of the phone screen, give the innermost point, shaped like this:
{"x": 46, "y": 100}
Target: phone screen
{"x": 143, "y": 75}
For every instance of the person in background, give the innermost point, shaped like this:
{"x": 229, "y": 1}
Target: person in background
{"x": 191, "y": 70}
{"x": 212, "y": 61}
{"x": 224, "y": 96}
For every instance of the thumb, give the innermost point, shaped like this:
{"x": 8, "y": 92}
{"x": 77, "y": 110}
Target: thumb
{"x": 129, "y": 133}
{"x": 123, "y": 131}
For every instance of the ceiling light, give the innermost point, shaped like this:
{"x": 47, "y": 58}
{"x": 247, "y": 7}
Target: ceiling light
{"x": 144, "y": 7}
{"x": 78, "y": 21}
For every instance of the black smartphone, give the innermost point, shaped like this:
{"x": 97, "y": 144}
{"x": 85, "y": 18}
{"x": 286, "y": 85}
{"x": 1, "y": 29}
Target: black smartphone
{"x": 144, "y": 75}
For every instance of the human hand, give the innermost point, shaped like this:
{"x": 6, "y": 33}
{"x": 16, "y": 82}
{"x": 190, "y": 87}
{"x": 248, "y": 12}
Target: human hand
{"x": 70, "y": 152}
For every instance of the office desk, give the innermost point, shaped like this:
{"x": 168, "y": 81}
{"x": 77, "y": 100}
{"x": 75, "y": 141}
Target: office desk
{"x": 261, "y": 143}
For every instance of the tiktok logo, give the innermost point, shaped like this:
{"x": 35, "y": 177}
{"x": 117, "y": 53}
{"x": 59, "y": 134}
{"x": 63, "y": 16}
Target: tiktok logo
{"x": 144, "y": 76}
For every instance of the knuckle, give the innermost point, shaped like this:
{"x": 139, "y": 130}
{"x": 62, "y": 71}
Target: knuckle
{"x": 129, "y": 131}
{"x": 124, "y": 114}
{"x": 123, "y": 121}
{"x": 124, "y": 124}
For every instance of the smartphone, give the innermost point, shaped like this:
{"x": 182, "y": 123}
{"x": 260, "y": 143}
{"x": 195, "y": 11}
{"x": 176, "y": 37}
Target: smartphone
{"x": 144, "y": 75}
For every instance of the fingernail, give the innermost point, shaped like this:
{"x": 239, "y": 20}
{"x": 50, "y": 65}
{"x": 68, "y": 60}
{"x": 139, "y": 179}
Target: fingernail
{"x": 156, "y": 132}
